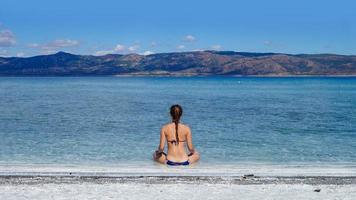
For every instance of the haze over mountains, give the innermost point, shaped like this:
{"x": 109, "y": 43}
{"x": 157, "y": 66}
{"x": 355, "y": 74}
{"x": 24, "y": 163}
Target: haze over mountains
{"x": 180, "y": 63}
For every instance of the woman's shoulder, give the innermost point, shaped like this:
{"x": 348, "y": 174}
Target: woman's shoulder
{"x": 185, "y": 126}
{"x": 165, "y": 126}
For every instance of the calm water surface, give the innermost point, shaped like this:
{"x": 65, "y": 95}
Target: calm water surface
{"x": 112, "y": 120}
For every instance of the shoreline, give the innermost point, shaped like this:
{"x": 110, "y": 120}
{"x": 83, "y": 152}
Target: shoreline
{"x": 230, "y": 75}
{"x": 197, "y": 180}
{"x": 196, "y": 75}
{"x": 195, "y": 170}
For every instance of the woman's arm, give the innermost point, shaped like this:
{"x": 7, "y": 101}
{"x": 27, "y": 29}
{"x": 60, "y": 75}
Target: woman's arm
{"x": 159, "y": 154}
{"x": 162, "y": 141}
{"x": 189, "y": 141}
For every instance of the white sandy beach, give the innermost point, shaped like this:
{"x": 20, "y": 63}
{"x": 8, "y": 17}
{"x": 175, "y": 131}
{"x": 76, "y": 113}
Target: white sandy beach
{"x": 161, "y": 182}
{"x": 175, "y": 191}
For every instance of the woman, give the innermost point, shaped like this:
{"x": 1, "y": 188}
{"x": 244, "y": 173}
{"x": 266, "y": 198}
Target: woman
{"x": 177, "y": 135}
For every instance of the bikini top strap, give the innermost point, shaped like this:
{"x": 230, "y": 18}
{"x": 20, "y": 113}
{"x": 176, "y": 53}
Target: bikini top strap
{"x": 173, "y": 131}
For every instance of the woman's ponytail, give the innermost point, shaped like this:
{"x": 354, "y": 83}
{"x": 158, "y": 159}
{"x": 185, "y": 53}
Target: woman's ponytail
{"x": 176, "y": 112}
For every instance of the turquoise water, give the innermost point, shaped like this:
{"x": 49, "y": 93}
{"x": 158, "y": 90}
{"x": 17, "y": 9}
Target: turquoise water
{"x": 114, "y": 120}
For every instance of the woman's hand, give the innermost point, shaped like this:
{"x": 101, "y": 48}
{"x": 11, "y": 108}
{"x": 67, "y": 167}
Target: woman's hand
{"x": 158, "y": 153}
{"x": 191, "y": 152}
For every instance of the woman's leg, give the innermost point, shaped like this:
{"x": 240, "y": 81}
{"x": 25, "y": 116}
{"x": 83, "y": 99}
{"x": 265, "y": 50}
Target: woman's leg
{"x": 160, "y": 157}
{"x": 192, "y": 158}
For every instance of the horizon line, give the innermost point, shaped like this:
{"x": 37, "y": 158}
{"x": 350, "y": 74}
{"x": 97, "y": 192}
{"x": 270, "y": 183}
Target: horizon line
{"x": 177, "y": 52}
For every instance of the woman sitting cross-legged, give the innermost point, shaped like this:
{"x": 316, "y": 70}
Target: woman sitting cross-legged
{"x": 177, "y": 136}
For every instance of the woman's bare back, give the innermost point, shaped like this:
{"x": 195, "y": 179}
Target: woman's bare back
{"x": 176, "y": 146}
{"x": 176, "y": 152}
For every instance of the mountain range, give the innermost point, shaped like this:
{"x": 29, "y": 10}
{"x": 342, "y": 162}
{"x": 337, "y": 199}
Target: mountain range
{"x": 180, "y": 63}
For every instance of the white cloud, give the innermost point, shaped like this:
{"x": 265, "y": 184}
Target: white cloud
{"x": 146, "y": 53}
{"x": 7, "y": 38}
{"x": 49, "y": 51}
{"x": 133, "y": 48}
{"x": 120, "y": 48}
{"x": 189, "y": 38}
{"x": 60, "y": 43}
{"x": 180, "y": 47}
{"x": 54, "y": 46}
{"x": 104, "y": 52}
{"x": 65, "y": 43}
{"x": 3, "y": 53}
{"x": 216, "y": 47}
{"x": 20, "y": 54}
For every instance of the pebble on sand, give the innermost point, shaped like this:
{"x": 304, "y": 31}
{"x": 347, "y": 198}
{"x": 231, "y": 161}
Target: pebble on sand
{"x": 317, "y": 190}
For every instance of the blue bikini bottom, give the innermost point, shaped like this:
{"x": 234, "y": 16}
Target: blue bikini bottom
{"x": 172, "y": 163}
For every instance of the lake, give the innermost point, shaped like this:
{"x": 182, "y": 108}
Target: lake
{"x": 116, "y": 120}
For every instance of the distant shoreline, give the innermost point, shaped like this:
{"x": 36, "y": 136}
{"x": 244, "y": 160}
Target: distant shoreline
{"x": 201, "y": 63}
{"x": 212, "y": 75}
{"x": 187, "y": 75}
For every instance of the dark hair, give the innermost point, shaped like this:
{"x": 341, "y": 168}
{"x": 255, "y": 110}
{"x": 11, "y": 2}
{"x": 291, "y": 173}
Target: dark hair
{"x": 176, "y": 112}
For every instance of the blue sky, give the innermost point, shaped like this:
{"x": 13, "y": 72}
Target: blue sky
{"x": 36, "y": 27}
